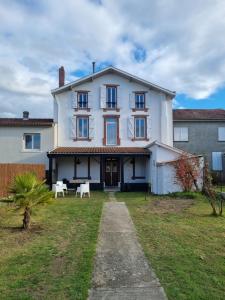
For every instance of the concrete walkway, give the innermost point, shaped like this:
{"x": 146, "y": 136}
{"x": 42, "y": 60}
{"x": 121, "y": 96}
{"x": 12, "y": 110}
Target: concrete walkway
{"x": 121, "y": 270}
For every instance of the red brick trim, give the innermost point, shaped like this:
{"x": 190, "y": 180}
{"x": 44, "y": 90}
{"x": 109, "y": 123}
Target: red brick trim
{"x": 140, "y": 109}
{"x": 111, "y": 109}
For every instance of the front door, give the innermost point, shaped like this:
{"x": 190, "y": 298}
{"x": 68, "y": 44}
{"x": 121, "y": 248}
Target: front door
{"x": 111, "y": 172}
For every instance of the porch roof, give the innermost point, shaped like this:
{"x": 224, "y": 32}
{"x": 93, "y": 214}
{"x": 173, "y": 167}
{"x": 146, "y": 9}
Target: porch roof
{"x": 64, "y": 151}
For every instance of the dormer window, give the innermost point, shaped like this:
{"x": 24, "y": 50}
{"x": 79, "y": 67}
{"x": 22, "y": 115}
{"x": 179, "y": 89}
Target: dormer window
{"x": 139, "y": 100}
{"x": 111, "y": 96}
{"x": 82, "y": 100}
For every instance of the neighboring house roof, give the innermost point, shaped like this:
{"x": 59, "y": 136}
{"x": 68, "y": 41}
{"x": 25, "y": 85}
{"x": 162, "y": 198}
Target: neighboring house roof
{"x": 179, "y": 151}
{"x": 199, "y": 114}
{"x": 19, "y": 122}
{"x": 100, "y": 150}
{"x": 116, "y": 71}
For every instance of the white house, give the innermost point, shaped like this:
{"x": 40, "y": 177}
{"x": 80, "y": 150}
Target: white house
{"x": 113, "y": 129}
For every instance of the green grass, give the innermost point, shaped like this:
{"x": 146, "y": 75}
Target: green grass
{"x": 186, "y": 248}
{"x": 55, "y": 259}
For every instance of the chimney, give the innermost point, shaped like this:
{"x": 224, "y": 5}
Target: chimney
{"x": 93, "y": 67}
{"x": 61, "y": 76}
{"x": 26, "y": 115}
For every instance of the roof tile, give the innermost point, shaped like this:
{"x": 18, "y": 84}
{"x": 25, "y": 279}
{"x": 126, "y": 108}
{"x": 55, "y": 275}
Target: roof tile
{"x": 198, "y": 114}
{"x": 99, "y": 150}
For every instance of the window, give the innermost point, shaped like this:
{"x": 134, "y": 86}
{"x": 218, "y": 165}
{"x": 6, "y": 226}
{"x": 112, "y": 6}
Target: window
{"x": 180, "y": 134}
{"x": 82, "y": 100}
{"x": 140, "y": 128}
{"x": 111, "y": 96}
{"x": 140, "y": 100}
{"x": 217, "y": 162}
{"x": 32, "y": 141}
{"x": 111, "y": 131}
{"x": 221, "y": 134}
{"x": 82, "y": 127}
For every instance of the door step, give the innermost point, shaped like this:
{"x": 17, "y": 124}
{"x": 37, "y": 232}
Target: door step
{"x": 112, "y": 189}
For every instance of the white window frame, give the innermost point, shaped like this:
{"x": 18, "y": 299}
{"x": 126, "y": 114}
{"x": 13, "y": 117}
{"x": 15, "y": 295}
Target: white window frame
{"x": 138, "y": 96}
{"x": 221, "y": 134}
{"x": 182, "y": 134}
{"x": 82, "y": 96}
{"x": 32, "y": 142}
{"x": 217, "y": 161}
{"x": 108, "y": 122}
{"x": 78, "y": 120}
{"x": 110, "y": 101}
{"x": 135, "y": 120}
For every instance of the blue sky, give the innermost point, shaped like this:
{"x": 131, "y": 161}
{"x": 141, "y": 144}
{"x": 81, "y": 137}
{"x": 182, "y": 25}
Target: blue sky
{"x": 175, "y": 44}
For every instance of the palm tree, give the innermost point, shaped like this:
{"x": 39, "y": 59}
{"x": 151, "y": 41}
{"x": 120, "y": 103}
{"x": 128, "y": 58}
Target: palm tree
{"x": 29, "y": 192}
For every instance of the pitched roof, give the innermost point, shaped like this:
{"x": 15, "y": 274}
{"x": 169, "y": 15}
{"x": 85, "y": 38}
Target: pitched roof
{"x": 100, "y": 150}
{"x": 117, "y": 71}
{"x": 198, "y": 114}
{"x": 19, "y": 122}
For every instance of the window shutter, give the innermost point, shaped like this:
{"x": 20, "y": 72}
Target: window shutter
{"x": 102, "y": 96}
{"x": 221, "y": 134}
{"x": 217, "y": 164}
{"x": 73, "y": 131}
{"x": 149, "y": 125}
{"x": 91, "y": 127}
{"x": 147, "y": 100}
{"x": 184, "y": 134}
{"x": 74, "y": 99}
{"x": 118, "y": 97}
{"x": 90, "y": 100}
{"x": 130, "y": 127}
{"x": 132, "y": 100}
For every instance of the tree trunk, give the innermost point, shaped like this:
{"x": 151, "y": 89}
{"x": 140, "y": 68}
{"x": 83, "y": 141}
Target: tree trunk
{"x": 26, "y": 218}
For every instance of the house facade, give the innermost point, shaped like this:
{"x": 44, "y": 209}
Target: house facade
{"x": 113, "y": 129}
{"x": 26, "y": 141}
{"x": 202, "y": 131}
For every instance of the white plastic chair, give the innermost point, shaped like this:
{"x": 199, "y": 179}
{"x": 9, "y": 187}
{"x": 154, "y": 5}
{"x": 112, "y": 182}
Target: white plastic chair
{"x": 60, "y": 183}
{"x": 83, "y": 189}
{"x": 57, "y": 189}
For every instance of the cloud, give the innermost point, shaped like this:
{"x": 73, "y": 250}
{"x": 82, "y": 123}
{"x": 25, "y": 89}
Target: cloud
{"x": 177, "y": 44}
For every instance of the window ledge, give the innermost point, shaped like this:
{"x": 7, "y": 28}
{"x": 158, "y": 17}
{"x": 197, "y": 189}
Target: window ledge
{"x": 181, "y": 141}
{"x": 80, "y": 139}
{"x": 111, "y": 109}
{"x": 140, "y": 109}
{"x": 88, "y": 109}
{"x": 138, "y": 177}
{"x": 141, "y": 139}
{"x": 31, "y": 151}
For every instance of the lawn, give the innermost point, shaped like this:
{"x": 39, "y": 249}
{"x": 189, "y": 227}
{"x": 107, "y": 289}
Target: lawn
{"x": 54, "y": 260}
{"x": 184, "y": 244}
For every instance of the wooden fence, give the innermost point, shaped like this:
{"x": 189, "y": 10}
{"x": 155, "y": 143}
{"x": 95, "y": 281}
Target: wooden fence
{"x": 9, "y": 171}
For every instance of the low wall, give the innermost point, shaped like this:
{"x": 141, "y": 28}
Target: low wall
{"x": 9, "y": 171}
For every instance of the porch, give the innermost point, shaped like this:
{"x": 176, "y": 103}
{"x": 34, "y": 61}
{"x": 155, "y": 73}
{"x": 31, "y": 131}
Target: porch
{"x": 124, "y": 168}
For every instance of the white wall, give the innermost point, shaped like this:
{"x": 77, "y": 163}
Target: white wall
{"x": 12, "y": 147}
{"x": 160, "y": 113}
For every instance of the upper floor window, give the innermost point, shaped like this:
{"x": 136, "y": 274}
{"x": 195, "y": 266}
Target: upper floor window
{"x": 139, "y": 100}
{"x": 111, "y": 131}
{"x": 32, "y": 141}
{"x": 82, "y": 128}
{"x": 180, "y": 134}
{"x": 140, "y": 127}
{"x": 221, "y": 134}
{"x": 111, "y": 96}
{"x": 82, "y": 99}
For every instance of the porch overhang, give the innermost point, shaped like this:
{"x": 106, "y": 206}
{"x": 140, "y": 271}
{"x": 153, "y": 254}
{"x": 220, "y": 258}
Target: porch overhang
{"x": 98, "y": 151}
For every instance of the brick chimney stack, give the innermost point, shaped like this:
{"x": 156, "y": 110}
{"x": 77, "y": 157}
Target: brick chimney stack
{"x": 61, "y": 76}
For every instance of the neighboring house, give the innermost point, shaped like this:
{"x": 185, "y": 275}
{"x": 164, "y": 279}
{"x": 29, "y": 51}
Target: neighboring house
{"x": 201, "y": 131}
{"x": 25, "y": 140}
{"x": 113, "y": 129}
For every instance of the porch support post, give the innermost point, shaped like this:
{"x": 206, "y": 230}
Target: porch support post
{"x": 101, "y": 171}
{"x": 89, "y": 170}
{"x": 133, "y": 167}
{"x": 122, "y": 173}
{"x": 75, "y": 167}
{"x": 50, "y": 172}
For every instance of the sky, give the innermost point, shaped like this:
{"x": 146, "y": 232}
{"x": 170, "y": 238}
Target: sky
{"x": 177, "y": 44}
